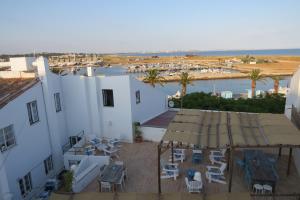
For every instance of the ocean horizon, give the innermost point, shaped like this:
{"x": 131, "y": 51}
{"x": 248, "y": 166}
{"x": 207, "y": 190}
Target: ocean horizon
{"x": 261, "y": 52}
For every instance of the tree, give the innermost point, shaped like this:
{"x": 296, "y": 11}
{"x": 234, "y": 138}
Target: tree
{"x": 255, "y": 75}
{"x": 153, "y": 77}
{"x": 276, "y": 80}
{"x": 185, "y": 79}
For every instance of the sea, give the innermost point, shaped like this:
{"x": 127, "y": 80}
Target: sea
{"x": 264, "y": 52}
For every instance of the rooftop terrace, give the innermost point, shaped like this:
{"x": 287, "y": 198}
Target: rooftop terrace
{"x": 162, "y": 120}
{"x": 10, "y": 88}
{"x": 141, "y": 162}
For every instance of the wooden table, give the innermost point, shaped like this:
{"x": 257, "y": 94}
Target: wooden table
{"x": 261, "y": 170}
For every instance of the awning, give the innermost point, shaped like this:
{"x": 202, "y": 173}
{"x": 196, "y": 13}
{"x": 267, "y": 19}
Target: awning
{"x": 213, "y": 129}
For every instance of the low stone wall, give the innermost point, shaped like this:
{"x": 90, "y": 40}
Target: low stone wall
{"x": 152, "y": 133}
{"x": 14, "y": 74}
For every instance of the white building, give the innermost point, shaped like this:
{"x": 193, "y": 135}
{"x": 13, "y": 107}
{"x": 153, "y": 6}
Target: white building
{"x": 38, "y": 117}
{"x": 293, "y": 100}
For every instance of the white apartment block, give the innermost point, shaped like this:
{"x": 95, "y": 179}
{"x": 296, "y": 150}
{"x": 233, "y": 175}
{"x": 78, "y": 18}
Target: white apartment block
{"x": 39, "y": 115}
{"x": 292, "y": 108}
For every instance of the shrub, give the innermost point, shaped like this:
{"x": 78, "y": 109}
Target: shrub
{"x": 270, "y": 103}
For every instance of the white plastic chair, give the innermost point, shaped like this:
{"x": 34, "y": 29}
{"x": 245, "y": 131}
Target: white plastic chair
{"x": 117, "y": 162}
{"x": 217, "y": 160}
{"x": 218, "y": 153}
{"x": 258, "y": 189}
{"x": 267, "y": 189}
{"x": 217, "y": 170}
{"x": 217, "y": 178}
{"x": 114, "y": 143}
{"x": 121, "y": 182}
{"x": 105, "y": 186}
{"x": 193, "y": 186}
{"x": 169, "y": 170}
{"x": 177, "y": 157}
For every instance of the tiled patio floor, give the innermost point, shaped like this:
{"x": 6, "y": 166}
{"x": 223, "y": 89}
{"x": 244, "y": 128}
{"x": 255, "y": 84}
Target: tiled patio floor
{"x": 141, "y": 162}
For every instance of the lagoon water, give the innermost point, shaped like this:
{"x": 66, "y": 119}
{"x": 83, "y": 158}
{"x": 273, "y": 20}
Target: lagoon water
{"x": 237, "y": 86}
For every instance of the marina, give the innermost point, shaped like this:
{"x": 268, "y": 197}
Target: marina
{"x": 237, "y": 86}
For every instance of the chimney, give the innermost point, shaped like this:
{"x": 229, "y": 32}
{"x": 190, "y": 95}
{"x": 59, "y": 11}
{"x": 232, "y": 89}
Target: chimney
{"x": 90, "y": 71}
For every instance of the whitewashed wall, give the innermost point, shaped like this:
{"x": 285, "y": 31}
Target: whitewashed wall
{"x": 21, "y": 63}
{"x": 293, "y": 95}
{"x": 33, "y": 144}
{"x": 76, "y": 104}
{"x": 117, "y": 120}
{"x": 153, "y": 101}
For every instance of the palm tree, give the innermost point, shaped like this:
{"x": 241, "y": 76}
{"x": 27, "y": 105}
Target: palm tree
{"x": 276, "y": 80}
{"x": 255, "y": 75}
{"x": 153, "y": 77}
{"x": 185, "y": 79}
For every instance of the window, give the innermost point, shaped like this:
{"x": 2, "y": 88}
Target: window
{"x": 108, "y": 98}
{"x": 32, "y": 112}
{"x": 7, "y": 138}
{"x": 25, "y": 185}
{"x": 57, "y": 102}
{"x": 48, "y": 164}
{"x": 137, "y": 97}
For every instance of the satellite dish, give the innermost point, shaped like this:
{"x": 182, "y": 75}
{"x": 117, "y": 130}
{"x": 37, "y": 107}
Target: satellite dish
{"x": 171, "y": 104}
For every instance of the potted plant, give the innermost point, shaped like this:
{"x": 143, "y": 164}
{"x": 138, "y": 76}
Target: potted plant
{"x": 137, "y": 132}
{"x": 68, "y": 180}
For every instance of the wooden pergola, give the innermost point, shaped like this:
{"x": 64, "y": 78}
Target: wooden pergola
{"x": 200, "y": 129}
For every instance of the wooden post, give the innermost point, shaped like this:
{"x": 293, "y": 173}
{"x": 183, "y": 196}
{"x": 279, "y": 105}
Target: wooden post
{"x": 289, "y": 162}
{"x": 228, "y": 159}
{"x": 158, "y": 169}
{"x": 279, "y": 152}
{"x": 172, "y": 151}
{"x": 230, "y": 169}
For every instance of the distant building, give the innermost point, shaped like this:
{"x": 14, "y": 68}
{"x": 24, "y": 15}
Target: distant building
{"x": 226, "y": 94}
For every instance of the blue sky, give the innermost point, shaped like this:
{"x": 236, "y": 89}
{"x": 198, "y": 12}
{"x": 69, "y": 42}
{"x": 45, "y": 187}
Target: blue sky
{"x": 106, "y": 26}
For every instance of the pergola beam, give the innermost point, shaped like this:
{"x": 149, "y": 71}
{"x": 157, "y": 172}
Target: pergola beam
{"x": 289, "y": 161}
{"x": 230, "y": 169}
{"x": 242, "y": 128}
{"x": 251, "y": 128}
{"x": 158, "y": 168}
{"x": 172, "y": 150}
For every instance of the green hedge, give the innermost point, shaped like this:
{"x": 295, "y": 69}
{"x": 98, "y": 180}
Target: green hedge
{"x": 271, "y": 103}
